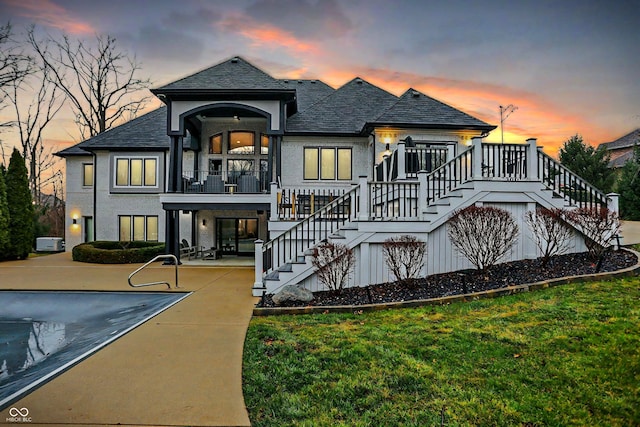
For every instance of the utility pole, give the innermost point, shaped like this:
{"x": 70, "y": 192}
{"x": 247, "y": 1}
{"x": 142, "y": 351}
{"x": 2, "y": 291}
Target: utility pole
{"x": 504, "y": 113}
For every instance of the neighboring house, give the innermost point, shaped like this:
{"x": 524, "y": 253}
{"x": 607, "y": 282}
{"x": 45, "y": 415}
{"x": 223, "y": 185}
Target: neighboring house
{"x": 265, "y": 167}
{"x": 621, "y": 149}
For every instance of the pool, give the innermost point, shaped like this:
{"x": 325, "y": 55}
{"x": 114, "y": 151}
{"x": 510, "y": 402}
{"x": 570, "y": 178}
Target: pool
{"x": 44, "y": 333}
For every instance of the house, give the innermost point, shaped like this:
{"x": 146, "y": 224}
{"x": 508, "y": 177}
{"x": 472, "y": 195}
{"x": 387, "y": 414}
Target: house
{"x": 264, "y": 167}
{"x": 621, "y": 149}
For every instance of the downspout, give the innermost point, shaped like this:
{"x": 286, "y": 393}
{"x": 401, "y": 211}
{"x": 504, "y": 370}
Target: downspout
{"x": 373, "y": 157}
{"x": 95, "y": 195}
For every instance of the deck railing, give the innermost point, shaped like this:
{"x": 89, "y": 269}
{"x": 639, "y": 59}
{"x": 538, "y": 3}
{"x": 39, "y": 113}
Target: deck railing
{"x": 311, "y": 230}
{"x": 294, "y": 204}
{"x": 393, "y": 200}
{"x": 567, "y": 184}
{"x": 225, "y": 182}
{"x": 449, "y": 176}
{"x": 424, "y": 159}
{"x": 504, "y": 161}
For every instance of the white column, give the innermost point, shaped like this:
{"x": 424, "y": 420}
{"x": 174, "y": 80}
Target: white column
{"x": 532, "y": 159}
{"x": 258, "y": 286}
{"x": 365, "y": 264}
{"x": 402, "y": 154}
{"x": 451, "y": 152}
{"x": 423, "y": 193}
{"x": 274, "y": 201}
{"x": 477, "y": 157}
{"x": 364, "y": 198}
{"x": 613, "y": 204}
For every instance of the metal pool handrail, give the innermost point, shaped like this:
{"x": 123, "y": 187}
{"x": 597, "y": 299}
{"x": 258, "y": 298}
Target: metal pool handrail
{"x": 165, "y": 256}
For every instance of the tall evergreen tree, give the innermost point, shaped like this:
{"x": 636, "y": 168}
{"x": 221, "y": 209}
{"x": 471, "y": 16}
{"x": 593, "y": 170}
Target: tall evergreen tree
{"x": 588, "y": 163}
{"x": 4, "y": 216}
{"x": 629, "y": 187}
{"x": 20, "y": 208}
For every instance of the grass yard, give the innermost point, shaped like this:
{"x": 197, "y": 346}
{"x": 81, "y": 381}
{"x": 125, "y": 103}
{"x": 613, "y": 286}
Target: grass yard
{"x": 567, "y": 356}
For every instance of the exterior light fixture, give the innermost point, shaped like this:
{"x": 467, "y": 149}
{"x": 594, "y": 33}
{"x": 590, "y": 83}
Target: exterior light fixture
{"x": 204, "y": 222}
{"x": 75, "y": 221}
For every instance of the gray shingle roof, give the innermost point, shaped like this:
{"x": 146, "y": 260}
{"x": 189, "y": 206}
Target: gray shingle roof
{"x": 625, "y": 141}
{"x": 308, "y": 92}
{"x": 147, "y": 132}
{"x": 345, "y": 111}
{"x": 74, "y": 150}
{"x": 232, "y": 74}
{"x": 417, "y": 109}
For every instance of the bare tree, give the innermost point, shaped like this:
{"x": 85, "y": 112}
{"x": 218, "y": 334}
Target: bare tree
{"x": 32, "y": 118}
{"x": 551, "y": 233}
{"x": 482, "y": 234}
{"x": 404, "y": 255}
{"x": 100, "y": 82}
{"x": 334, "y": 262}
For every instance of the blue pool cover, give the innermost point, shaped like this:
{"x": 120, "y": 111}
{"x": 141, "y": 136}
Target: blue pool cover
{"x": 44, "y": 333}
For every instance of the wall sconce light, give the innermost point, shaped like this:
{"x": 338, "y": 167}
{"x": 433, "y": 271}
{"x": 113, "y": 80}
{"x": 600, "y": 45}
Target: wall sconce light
{"x": 236, "y": 118}
{"x": 204, "y": 222}
{"x": 75, "y": 221}
{"x": 386, "y": 147}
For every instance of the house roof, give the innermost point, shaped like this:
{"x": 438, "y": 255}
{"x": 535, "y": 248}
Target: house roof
{"x": 232, "y": 74}
{"x": 417, "y": 109}
{"x": 146, "y": 132}
{"x": 308, "y": 92}
{"x": 345, "y": 111}
{"x": 628, "y": 140}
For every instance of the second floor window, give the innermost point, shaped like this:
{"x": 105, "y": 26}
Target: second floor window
{"x": 327, "y": 163}
{"x": 87, "y": 174}
{"x": 241, "y": 142}
{"x": 136, "y": 172}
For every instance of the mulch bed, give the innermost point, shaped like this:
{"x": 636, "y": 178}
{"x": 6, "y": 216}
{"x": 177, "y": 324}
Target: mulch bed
{"x": 468, "y": 281}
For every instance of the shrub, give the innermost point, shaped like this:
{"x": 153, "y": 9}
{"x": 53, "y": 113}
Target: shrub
{"x": 482, "y": 234}
{"x": 109, "y": 252}
{"x": 334, "y": 262}
{"x": 550, "y": 230}
{"x": 404, "y": 255}
{"x": 20, "y": 205}
{"x": 599, "y": 227}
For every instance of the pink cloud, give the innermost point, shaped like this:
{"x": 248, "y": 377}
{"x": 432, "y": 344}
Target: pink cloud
{"x": 47, "y": 13}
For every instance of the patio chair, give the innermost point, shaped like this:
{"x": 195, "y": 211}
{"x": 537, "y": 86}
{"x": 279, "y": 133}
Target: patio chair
{"x": 186, "y": 249}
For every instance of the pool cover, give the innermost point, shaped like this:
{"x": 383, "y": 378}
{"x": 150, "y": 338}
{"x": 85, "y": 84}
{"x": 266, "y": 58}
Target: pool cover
{"x": 44, "y": 333}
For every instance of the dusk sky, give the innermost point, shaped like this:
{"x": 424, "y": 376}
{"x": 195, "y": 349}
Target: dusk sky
{"x": 569, "y": 66}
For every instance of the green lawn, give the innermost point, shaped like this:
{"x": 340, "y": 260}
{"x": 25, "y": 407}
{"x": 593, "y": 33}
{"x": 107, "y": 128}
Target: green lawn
{"x": 559, "y": 357}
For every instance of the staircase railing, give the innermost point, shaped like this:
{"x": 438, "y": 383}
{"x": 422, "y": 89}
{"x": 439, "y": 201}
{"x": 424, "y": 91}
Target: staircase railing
{"x": 567, "y": 184}
{"x": 308, "y": 232}
{"x": 449, "y": 176}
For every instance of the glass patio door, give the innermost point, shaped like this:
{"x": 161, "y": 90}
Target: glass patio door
{"x": 236, "y": 236}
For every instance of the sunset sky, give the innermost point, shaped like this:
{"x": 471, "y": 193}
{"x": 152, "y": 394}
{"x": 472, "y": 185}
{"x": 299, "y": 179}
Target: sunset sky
{"x": 570, "y": 66}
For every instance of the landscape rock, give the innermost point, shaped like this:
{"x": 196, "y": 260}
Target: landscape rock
{"x": 292, "y": 294}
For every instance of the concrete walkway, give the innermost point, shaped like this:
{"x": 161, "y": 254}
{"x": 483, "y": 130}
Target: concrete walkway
{"x": 183, "y": 367}
{"x": 630, "y": 232}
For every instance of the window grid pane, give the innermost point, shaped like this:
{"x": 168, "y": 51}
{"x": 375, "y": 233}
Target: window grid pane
{"x": 310, "y": 163}
{"x": 87, "y": 174}
{"x": 125, "y": 228}
{"x": 136, "y": 172}
{"x": 152, "y": 228}
{"x": 328, "y": 163}
{"x": 138, "y": 227}
{"x": 241, "y": 143}
{"x": 150, "y": 172}
{"x": 344, "y": 163}
{"x": 122, "y": 172}
{"x": 215, "y": 144}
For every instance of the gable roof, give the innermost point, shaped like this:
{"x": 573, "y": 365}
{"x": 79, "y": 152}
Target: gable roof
{"x": 308, "y": 92}
{"x": 345, "y": 111}
{"x": 147, "y": 132}
{"x": 232, "y": 74}
{"x": 415, "y": 109}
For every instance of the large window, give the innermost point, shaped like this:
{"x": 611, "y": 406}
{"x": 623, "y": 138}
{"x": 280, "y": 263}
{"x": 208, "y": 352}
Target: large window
{"x": 138, "y": 227}
{"x": 136, "y": 172}
{"x": 87, "y": 174}
{"x": 327, "y": 163}
{"x": 241, "y": 142}
{"x": 264, "y": 144}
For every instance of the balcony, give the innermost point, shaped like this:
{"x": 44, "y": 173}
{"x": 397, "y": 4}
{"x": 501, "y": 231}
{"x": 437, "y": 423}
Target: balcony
{"x": 246, "y": 182}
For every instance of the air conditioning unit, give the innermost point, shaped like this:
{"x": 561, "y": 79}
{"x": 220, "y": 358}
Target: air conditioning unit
{"x": 49, "y": 244}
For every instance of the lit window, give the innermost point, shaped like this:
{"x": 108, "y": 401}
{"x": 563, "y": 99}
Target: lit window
{"x": 264, "y": 144}
{"x": 136, "y": 172}
{"x": 241, "y": 142}
{"x": 215, "y": 144}
{"x": 138, "y": 227}
{"x": 87, "y": 174}
{"x": 327, "y": 163}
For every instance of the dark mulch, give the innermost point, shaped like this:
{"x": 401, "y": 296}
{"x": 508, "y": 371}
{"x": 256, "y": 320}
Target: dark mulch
{"x": 468, "y": 281}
